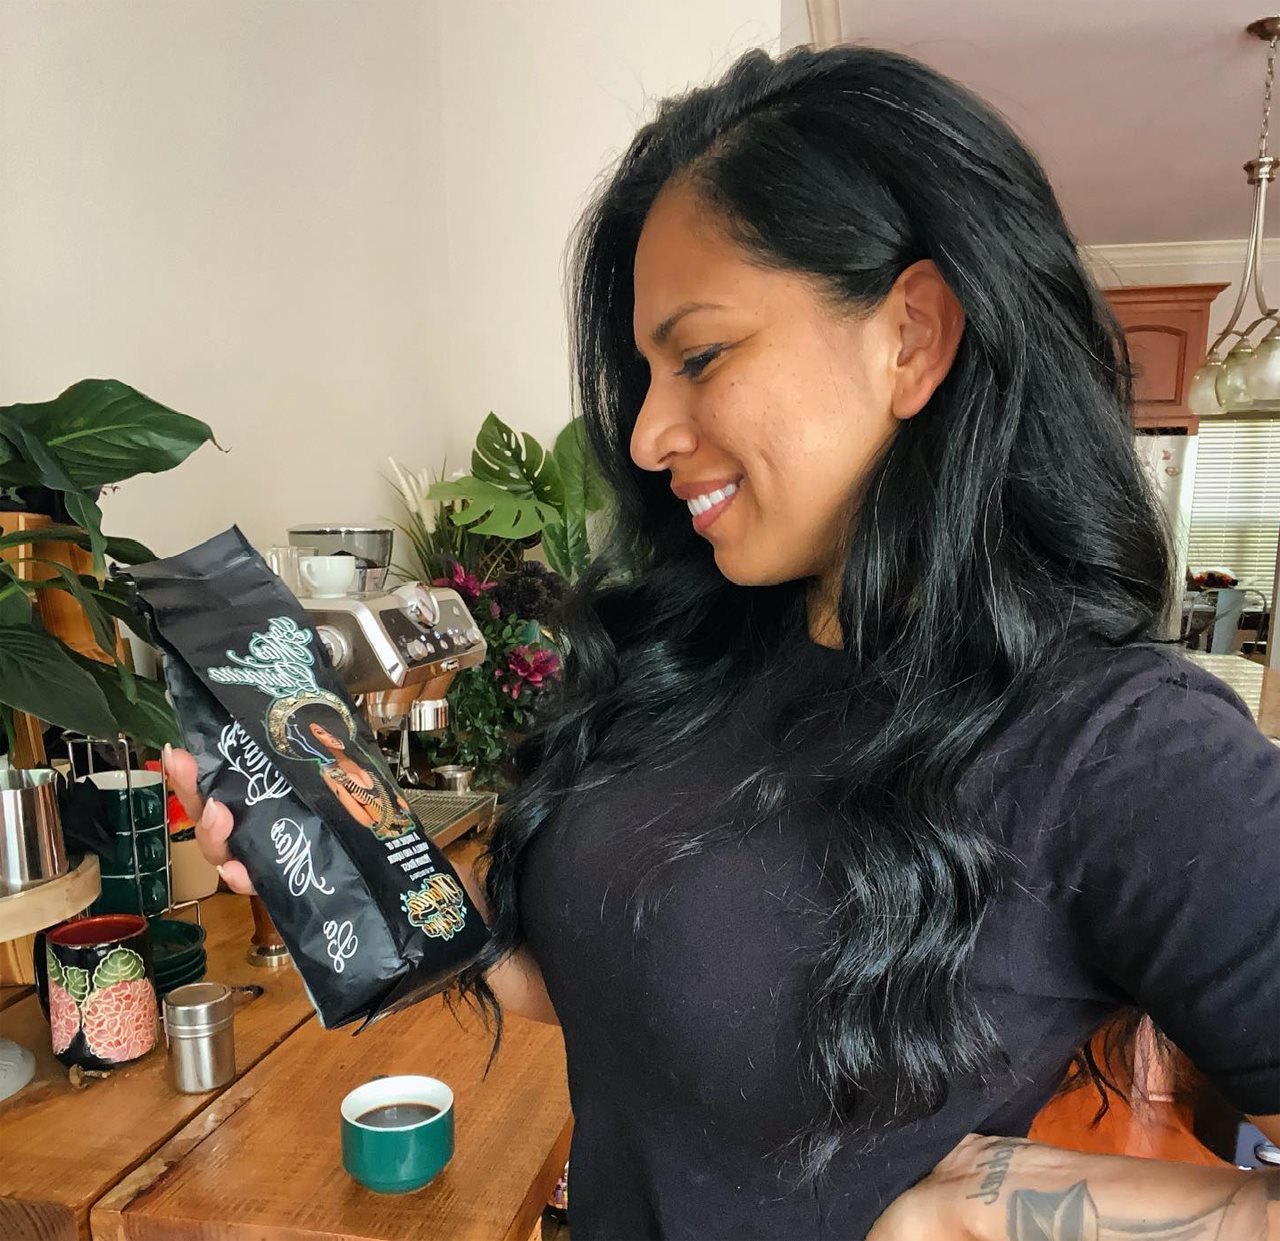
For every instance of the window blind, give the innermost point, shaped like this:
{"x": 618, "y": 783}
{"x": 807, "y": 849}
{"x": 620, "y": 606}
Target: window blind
{"x": 1235, "y": 514}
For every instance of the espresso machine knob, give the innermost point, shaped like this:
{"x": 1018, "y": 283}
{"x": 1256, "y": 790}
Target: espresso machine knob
{"x": 335, "y": 645}
{"x": 420, "y": 603}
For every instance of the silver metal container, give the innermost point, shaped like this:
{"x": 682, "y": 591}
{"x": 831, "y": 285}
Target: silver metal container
{"x": 454, "y": 779}
{"x": 31, "y": 845}
{"x": 429, "y": 715}
{"x": 199, "y": 1028}
{"x": 371, "y": 545}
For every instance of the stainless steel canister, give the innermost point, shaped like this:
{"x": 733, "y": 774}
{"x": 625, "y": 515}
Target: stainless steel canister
{"x": 201, "y": 1035}
{"x": 31, "y": 847}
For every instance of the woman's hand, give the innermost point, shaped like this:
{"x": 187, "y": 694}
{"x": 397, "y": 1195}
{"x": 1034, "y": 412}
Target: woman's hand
{"x": 1008, "y": 1189}
{"x": 212, "y": 819}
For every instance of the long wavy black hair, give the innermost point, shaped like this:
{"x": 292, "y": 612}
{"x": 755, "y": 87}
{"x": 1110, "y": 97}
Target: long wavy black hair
{"x": 1004, "y": 524}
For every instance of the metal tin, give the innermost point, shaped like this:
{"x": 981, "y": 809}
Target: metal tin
{"x": 200, "y": 1030}
{"x": 31, "y": 846}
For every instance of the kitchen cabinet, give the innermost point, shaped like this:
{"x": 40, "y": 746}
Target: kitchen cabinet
{"x": 1167, "y": 330}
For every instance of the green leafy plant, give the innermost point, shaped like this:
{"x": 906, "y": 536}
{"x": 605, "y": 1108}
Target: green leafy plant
{"x": 97, "y": 433}
{"x": 516, "y": 489}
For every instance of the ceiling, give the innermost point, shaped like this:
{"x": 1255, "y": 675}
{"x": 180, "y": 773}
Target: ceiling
{"x": 1142, "y": 111}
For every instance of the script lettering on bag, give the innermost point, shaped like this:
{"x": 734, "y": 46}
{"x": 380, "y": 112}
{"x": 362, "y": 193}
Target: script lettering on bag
{"x": 279, "y": 661}
{"x": 244, "y": 755}
{"x": 293, "y": 856}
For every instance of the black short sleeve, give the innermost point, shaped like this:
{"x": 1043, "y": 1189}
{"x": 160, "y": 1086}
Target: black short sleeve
{"x": 1168, "y": 867}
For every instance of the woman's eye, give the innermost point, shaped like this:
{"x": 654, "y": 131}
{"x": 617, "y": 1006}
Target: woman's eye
{"x": 695, "y": 365}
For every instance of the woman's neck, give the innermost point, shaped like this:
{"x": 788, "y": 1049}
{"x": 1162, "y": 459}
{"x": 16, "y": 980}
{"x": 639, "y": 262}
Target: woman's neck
{"x": 822, "y": 604}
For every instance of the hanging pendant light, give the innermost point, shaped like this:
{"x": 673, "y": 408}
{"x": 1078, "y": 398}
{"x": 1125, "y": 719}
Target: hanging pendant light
{"x": 1246, "y": 381}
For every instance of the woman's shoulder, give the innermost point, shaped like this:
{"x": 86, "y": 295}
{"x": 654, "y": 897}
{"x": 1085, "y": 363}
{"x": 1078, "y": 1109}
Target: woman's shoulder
{"x": 1098, "y": 692}
{"x": 1138, "y": 732}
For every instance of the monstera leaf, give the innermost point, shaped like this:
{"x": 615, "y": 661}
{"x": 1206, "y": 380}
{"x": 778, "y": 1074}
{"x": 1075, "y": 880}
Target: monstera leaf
{"x": 513, "y": 490}
{"x": 566, "y": 545}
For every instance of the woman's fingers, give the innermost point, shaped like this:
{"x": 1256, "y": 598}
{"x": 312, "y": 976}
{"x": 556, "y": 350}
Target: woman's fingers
{"x": 213, "y": 821}
{"x": 180, "y": 767}
{"x": 236, "y": 877}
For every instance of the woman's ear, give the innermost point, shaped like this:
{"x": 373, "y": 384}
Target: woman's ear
{"x": 930, "y": 323}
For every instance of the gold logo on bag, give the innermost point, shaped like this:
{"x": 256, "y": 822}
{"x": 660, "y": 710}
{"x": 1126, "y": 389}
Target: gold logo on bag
{"x": 437, "y": 907}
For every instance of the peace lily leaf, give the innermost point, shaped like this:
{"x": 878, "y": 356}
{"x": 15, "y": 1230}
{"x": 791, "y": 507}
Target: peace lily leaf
{"x": 39, "y": 676}
{"x": 104, "y": 633}
{"x": 76, "y": 981}
{"x": 15, "y": 606}
{"x": 103, "y": 431}
{"x": 89, "y": 516}
{"x": 494, "y": 510}
{"x": 149, "y": 720}
{"x": 516, "y": 464}
{"x": 119, "y": 965}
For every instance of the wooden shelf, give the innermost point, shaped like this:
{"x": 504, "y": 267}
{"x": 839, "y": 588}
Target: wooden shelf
{"x": 25, "y": 913}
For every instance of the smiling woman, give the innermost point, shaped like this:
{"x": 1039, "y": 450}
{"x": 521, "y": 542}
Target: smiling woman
{"x": 868, "y": 799}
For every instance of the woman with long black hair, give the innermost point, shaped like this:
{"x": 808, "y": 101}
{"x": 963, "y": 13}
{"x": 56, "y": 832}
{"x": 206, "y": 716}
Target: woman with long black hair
{"x": 869, "y": 796}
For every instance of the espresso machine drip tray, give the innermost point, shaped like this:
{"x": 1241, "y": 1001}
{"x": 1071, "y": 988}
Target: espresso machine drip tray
{"x": 446, "y": 816}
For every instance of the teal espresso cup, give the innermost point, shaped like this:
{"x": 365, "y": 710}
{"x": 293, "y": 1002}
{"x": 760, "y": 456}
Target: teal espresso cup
{"x": 397, "y": 1132}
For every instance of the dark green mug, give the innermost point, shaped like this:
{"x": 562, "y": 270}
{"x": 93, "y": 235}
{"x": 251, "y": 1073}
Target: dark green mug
{"x": 397, "y": 1132}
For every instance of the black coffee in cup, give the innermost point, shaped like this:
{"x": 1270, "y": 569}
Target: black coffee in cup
{"x": 397, "y": 1115}
{"x": 370, "y": 909}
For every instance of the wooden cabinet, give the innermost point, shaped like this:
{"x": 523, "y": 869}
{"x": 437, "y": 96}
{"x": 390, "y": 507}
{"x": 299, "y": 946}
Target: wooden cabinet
{"x": 1167, "y": 330}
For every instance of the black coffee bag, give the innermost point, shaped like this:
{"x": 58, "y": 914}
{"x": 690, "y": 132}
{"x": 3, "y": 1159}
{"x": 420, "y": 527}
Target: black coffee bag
{"x": 371, "y": 910}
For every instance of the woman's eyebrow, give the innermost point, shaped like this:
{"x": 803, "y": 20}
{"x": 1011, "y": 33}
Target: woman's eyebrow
{"x": 664, "y": 329}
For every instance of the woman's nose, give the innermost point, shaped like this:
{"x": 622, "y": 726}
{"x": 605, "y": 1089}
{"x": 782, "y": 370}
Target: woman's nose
{"x": 663, "y": 431}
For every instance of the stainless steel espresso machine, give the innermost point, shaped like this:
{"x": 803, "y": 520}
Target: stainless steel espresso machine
{"x": 398, "y": 652}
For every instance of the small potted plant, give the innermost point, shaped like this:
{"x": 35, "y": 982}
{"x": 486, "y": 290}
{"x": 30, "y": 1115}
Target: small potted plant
{"x": 55, "y": 457}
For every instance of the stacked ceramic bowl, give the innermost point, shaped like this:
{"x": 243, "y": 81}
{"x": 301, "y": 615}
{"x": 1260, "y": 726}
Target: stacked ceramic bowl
{"x": 177, "y": 948}
{"x": 134, "y": 880}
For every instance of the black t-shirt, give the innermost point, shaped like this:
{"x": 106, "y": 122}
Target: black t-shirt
{"x": 1141, "y": 807}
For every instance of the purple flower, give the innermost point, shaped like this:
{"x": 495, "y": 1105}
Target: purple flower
{"x": 467, "y": 584}
{"x": 528, "y": 667}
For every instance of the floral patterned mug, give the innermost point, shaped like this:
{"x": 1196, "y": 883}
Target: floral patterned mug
{"x": 97, "y": 986}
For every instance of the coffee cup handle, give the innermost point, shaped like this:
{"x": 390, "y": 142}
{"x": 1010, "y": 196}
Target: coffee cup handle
{"x": 40, "y": 968}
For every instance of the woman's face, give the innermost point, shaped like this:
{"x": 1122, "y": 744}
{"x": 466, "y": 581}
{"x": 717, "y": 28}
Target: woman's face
{"x": 757, "y": 382}
{"x": 326, "y": 738}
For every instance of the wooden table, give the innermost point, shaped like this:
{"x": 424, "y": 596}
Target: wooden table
{"x": 128, "y": 1157}
{"x": 61, "y": 1149}
{"x": 265, "y": 1161}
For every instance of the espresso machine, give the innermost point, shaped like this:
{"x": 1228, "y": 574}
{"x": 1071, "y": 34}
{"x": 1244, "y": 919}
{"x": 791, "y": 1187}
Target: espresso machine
{"x": 398, "y": 651}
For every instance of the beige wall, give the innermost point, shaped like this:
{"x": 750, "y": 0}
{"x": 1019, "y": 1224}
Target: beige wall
{"x": 331, "y": 228}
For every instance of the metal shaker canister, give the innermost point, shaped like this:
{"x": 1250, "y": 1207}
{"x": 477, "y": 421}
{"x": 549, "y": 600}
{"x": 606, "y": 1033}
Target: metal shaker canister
{"x": 198, "y": 1022}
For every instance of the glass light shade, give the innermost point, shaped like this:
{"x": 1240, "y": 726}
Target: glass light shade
{"x": 1202, "y": 396}
{"x": 1233, "y": 383}
{"x": 1262, "y": 373}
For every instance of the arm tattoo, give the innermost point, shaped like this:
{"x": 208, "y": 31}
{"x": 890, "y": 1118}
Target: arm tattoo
{"x": 1070, "y": 1215}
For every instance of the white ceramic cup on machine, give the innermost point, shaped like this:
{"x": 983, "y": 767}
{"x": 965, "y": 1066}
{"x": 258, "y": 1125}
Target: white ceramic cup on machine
{"x": 328, "y": 577}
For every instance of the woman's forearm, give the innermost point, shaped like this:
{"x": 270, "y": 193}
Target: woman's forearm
{"x": 1004, "y": 1189}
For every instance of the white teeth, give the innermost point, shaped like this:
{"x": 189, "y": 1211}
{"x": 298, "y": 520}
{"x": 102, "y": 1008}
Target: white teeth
{"x": 702, "y": 504}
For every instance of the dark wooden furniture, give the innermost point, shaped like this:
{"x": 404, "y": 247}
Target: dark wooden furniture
{"x": 1167, "y": 330}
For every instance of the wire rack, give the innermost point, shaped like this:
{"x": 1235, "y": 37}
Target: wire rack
{"x": 80, "y": 755}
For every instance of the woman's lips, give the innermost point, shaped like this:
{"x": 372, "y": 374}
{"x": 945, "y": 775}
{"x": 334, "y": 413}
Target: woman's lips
{"x": 704, "y": 521}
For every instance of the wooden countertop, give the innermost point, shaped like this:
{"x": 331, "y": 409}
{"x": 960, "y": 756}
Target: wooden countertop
{"x": 265, "y": 1161}
{"x": 61, "y": 1148}
{"x": 129, "y": 1157}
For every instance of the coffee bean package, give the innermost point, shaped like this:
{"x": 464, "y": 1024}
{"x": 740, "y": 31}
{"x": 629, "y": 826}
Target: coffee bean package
{"x": 372, "y": 912}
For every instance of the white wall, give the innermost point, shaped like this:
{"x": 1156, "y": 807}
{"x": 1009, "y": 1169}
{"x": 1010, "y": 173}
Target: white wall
{"x": 333, "y": 229}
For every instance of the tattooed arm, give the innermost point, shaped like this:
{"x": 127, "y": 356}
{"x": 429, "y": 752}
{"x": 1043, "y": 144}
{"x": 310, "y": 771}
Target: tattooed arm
{"x": 1006, "y": 1189}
